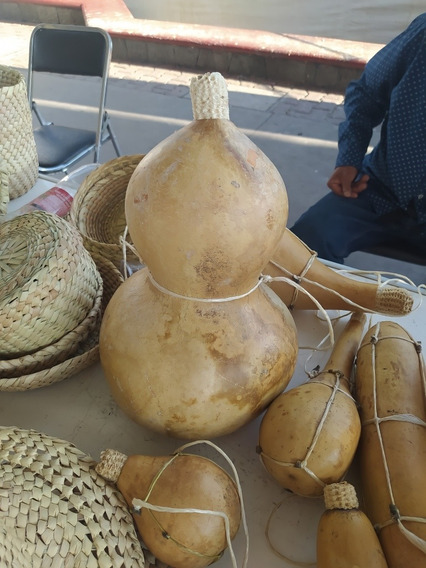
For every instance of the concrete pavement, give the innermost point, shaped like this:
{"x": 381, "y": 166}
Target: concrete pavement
{"x": 295, "y": 128}
{"x": 319, "y": 63}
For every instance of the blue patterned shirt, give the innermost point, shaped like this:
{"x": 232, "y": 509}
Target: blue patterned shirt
{"x": 391, "y": 91}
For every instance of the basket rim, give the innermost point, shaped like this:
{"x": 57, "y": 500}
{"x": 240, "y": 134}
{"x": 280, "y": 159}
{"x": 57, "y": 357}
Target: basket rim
{"x": 96, "y": 192}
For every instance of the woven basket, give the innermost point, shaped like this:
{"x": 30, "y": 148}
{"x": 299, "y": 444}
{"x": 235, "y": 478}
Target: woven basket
{"x": 56, "y": 510}
{"x": 97, "y": 209}
{"x": 112, "y": 278}
{"x": 18, "y": 151}
{"x": 57, "y": 367}
{"x": 4, "y": 187}
{"x": 48, "y": 282}
{"x": 57, "y": 352}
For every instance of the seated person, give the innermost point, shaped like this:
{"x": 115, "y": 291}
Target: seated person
{"x": 379, "y": 197}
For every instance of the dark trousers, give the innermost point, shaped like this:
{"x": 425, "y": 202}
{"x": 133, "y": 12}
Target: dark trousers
{"x": 336, "y": 226}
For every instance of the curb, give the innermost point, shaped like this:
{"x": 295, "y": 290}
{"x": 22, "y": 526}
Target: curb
{"x": 308, "y": 62}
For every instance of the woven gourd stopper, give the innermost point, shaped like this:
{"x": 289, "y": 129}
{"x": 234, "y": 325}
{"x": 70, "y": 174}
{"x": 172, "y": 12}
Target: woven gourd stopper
{"x": 393, "y": 301}
{"x": 111, "y": 464}
{"x": 340, "y": 496}
{"x": 209, "y": 97}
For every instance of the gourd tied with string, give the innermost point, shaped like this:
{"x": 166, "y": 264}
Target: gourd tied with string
{"x": 195, "y": 345}
{"x": 309, "y": 434}
{"x": 390, "y": 385}
{"x": 332, "y": 289}
{"x": 186, "y": 507}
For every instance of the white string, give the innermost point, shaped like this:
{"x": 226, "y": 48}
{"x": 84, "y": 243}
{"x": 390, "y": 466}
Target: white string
{"x": 330, "y": 335}
{"x": 264, "y": 278}
{"x": 138, "y": 504}
{"x": 303, "y": 464}
{"x": 208, "y": 300}
{"x": 411, "y": 418}
{"x": 124, "y": 246}
{"x": 376, "y": 420}
{"x": 275, "y": 550}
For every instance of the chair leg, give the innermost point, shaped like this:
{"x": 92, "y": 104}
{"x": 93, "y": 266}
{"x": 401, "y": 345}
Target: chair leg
{"x": 113, "y": 139}
{"x": 111, "y": 134}
{"x": 38, "y": 115}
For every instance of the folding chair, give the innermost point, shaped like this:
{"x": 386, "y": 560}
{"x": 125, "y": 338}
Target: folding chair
{"x": 70, "y": 50}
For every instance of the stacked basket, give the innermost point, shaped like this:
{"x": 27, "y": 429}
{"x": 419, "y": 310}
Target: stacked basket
{"x": 98, "y": 211}
{"x": 51, "y": 295}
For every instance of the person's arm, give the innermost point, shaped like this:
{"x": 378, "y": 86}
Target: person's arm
{"x": 366, "y": 104}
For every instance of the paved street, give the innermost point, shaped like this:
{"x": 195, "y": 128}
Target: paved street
{"x": 296, "y": 129}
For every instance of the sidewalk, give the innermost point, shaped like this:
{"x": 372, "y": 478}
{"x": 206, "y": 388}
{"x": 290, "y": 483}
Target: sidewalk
{"x": 296, "y": 129}
{"x": 317, "y": 63}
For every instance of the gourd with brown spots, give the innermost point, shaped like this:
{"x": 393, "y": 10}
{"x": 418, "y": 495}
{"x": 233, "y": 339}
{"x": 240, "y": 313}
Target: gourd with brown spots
{"x": 191, "y": 345}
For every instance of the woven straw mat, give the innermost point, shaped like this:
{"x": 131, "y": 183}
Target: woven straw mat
{"x": 48, "y": 282}
{"x": 18, "y": 152}
{"x": 97, "y": 209}
{"x": 57, "y": 511}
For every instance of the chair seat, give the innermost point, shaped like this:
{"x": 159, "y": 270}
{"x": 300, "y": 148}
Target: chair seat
{"x": 59, "y": 145}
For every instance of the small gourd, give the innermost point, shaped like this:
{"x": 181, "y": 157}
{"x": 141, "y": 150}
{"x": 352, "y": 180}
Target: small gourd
{"x": 345, "y": 537}
{"x": 334, "y": 291}
{"x": 179, "y": 481}
{"x": 309, "y": 434}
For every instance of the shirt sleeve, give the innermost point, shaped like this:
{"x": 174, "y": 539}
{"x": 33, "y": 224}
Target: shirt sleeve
{"x": 367, "y": 100}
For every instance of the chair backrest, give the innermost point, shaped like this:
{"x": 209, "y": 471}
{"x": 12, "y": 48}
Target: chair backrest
{"x": 71, "y": 50}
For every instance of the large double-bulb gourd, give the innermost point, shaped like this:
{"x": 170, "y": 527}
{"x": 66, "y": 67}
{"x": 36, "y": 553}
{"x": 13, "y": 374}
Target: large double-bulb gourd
{"x": 194, "y": 345}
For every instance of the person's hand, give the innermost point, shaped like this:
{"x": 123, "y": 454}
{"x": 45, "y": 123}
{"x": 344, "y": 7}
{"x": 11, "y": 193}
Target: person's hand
{"x": 342, "y": 182}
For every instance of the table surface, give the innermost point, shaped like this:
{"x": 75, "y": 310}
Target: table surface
{"x": 81, "y": 410}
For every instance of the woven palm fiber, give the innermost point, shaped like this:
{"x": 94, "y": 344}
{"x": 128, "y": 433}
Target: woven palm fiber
{"x": 340, "y": 495}
{"x": 97, "y": 209}
{"x": 18, "y": 150}
{"x": 71, "y": 344}
{"x": 57, "y": 511}
{"x": 49, "y": 365}
{"x": 111, "y": 276}
{"x": 4, "y": 187}
{"x": 48, "y": 282}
